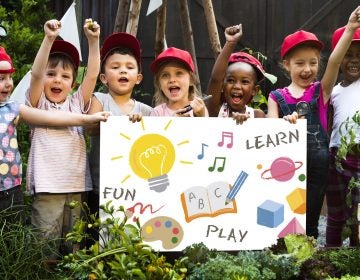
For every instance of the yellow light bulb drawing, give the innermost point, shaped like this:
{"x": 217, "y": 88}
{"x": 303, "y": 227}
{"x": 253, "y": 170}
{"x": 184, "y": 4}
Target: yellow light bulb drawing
{"x": 152, "y": 157}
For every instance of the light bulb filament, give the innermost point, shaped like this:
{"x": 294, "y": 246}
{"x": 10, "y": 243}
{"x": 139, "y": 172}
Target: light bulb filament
{"x": 153, "y": 159}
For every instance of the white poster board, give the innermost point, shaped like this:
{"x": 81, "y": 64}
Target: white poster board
{"x": 192, "y": 180}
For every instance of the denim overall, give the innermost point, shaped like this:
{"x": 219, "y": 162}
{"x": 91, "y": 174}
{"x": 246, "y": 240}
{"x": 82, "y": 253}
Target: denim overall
{"x": 317, "y": 159}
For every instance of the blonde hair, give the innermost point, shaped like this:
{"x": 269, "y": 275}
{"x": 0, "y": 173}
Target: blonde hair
{"x": 160, "y": 97}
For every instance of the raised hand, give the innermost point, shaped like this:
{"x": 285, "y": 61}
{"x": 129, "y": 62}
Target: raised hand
{"x": 91, "y": 29}
{"x": 233, "y": 33}
{"x": 52, "y": 28}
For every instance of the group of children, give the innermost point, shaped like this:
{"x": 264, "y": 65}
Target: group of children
{"x": 58, "y": 170}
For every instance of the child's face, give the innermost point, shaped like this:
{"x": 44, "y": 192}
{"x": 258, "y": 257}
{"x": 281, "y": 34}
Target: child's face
{"x": 350, "y": 66}
{"x": 6, "y": 86}
{"x": 303, "y": 66}
{"x": 58, "y": 83}
{"x": 175, "y": 81}
{"x": 121, "y": 74}
{"x": 239, "y": 85}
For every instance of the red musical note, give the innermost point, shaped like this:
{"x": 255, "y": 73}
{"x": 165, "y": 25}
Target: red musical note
{"x": 219, "y": 169}
{"x": 224, "y": 135}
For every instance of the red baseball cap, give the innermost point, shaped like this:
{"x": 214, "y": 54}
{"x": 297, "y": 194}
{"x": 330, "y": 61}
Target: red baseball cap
{"x": 297, "y": 38}
{"x": 5, "y": 57}
{"x": 248, "y": 58}
{"x": 173, "y": 54}
{"x": 64, "y": 47}
{"x": 122, "y": 39}
{"x": 339, "y": 32}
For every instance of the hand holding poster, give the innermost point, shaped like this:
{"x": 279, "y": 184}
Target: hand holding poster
{"x": 192, "y": 180}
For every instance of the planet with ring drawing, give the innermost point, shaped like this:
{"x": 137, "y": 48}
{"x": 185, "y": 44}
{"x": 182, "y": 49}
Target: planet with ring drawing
{"x": 282, "y": 169}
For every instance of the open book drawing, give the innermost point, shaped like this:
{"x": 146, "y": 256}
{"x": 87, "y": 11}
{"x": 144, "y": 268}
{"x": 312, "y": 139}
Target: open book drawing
{"x": 207, "y": 201}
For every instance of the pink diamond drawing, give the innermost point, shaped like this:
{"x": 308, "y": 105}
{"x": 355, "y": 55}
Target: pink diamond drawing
{"x": 292, "y": 227}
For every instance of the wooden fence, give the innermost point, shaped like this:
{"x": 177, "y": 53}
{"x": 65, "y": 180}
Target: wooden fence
{"x": 265, "y": 24}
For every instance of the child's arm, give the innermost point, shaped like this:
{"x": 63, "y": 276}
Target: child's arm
{"x": 273, "y": 112}
{"x": 95, "y": 107}
{"x": 51, "y": 29}
{"x": 330, "y": 76}
{"x": 92, "y": 32}
{"x": 232, "y": 35}
{"x": 59, "y": 118}
{"x": 273, "y": 109}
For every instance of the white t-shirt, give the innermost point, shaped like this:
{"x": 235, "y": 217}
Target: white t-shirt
{"x": 346, "y": 101}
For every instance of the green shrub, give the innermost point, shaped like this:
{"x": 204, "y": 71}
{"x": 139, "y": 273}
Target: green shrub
{"x": 120, "y": 254}
{"x": 21, "y": 251}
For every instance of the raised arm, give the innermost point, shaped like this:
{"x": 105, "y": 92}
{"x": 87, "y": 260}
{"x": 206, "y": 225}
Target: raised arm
{"x": 232, "y": 35}
{"x": 92, "y": 32}
{"x": 51, "y": 29}
{"x": 332, "y": 69}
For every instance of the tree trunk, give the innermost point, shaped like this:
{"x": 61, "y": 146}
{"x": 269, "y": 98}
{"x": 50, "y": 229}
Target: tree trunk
{"x": 121, "y": 16}
{"x": 160, "y": 28}
{"x": 133, "y": 20}
{"x": 188, "y": 35}
{"x": 212, "y": 28}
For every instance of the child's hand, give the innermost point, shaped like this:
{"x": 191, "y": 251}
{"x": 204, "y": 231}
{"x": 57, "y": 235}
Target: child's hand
{"x": 135, "y": 117}
{"x": 98, "y": 117}
{"x": 233, "y": 33}
{"x": 198, "y": 106}
{"x": 52, "y": 28}
{"x": 291, "y": 118}
{"x": 354, "y": 20}
{"x": 91, "y": 29}
{"x": 240, "y": 118}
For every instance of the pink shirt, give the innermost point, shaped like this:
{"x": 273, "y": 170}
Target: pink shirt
{"x": 163, "y": 110}
{"x": 307, "y": 96}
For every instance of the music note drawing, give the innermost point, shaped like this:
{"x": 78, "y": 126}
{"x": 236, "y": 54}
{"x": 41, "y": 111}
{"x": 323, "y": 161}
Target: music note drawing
{"x": 201, "y": 156}
{"x": 220, "y": 168}
{"x": 226, "y": 135}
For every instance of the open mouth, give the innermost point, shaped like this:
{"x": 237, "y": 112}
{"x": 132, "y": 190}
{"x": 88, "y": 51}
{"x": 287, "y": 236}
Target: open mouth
{"x": 4, "y": 94}
{"x": 353, "y": 69}
{"x": 174, "y": 90}
{"x": 56, "y": 90}
{"x": 123, "y": 80}
{"x": 236, "y": 98}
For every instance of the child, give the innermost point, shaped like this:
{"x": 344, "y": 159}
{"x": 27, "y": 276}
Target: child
{"x": 300, "y": 53}
{"x": 345, "y": 100}
{"x": 175, "y": 85}
{"x": 57, "y": 167}
{"x": 120, "y": 73}
{"x": 11, "y": 113}
{"x": 234, "y": 81}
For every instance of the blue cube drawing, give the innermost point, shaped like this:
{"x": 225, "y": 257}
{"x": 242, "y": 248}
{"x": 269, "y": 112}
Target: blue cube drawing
{"x": 270, "y": 214}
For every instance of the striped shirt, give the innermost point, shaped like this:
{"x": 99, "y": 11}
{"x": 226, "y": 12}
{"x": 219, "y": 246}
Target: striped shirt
{"x": 57, "y": 159}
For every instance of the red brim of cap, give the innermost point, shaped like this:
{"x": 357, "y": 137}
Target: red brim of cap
{"x": 155, "y": 65}
{"x": 122, "y": 39}
{"x": 339, "y": 32}
{"x": 7, "y": 71}
{"x": 248, "y": 58}
{"x": 64, "y": 47}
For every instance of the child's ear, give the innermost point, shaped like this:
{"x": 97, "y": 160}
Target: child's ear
{"x": 256, "y": 90}
{"x": 139, "y": 78}
{"x": 103, "y": 79}
{"x": 285, "y": 64}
